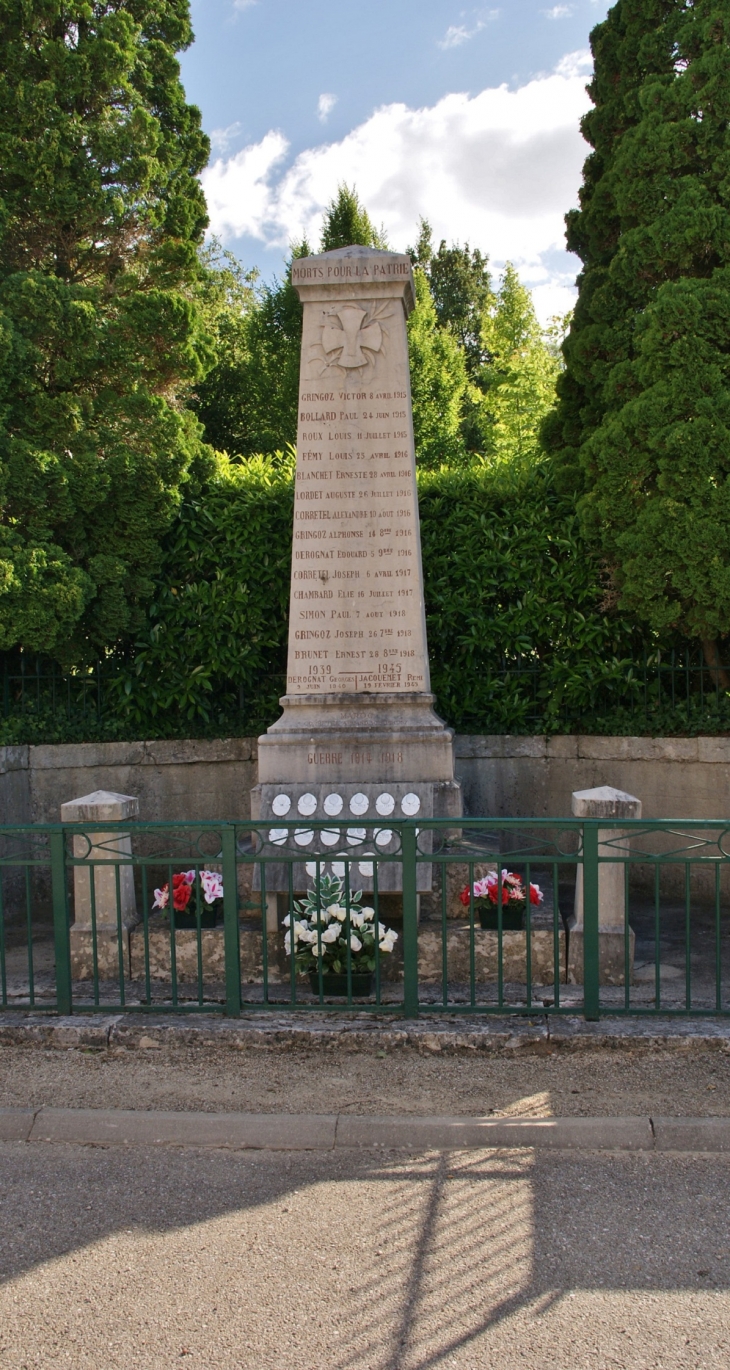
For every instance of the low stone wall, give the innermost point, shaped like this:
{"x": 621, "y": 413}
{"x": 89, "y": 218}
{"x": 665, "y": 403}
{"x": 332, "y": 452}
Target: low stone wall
{"x": 172, "y": 780}
{"x": 501, "y": 776}
{"x": 519, "y": 777}
{"x": 515, "y": 777}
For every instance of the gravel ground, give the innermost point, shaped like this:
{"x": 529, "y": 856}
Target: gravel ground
{"x": 692, "y": 1082}
{"x": 239, "y": 1261}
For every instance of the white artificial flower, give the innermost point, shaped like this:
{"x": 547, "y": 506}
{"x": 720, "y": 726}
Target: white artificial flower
{"x": 355, "y": 942}
{"x": 356, "y": 919}
{"x": 161, "y": 897}
{"x": 286, "y": 920}
{"x": 337, "y": 911}
{"x": 331, "y": 934}
{"x": 368, "y": 913}
{"x": 287, "y": 944}
{"x": 212, "y": 884}
{"x": 388, "y": 942}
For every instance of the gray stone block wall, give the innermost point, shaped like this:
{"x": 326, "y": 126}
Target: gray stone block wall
{"x": 502, "y": 776}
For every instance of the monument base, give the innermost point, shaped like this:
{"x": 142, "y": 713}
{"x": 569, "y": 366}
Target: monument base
{"x": 357, "y": 760}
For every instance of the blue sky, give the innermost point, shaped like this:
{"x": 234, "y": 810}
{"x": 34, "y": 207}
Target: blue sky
{"x": 468, "y": 115}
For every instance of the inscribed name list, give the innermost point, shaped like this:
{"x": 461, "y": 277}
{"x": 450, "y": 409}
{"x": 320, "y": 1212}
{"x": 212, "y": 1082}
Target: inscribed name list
{"x": 356, "y": 619}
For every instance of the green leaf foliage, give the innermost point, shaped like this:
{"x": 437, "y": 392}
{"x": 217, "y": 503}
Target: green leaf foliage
{"x": 509, "y": 586}
{"x": 101, "y": 214}
{"x": 347, "y": 222}
{"x": 518, "y": 638}
{"x": 439, "y": 383}
{"x": 215, "y": 647}
{"x": 518, "y": 382}
{"x": 248, "y": 402}
{"x": 641, "y": 432}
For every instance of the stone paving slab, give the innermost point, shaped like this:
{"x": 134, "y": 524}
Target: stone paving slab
{"x": 450, "y": 1034}
{"x": 328, "y": 1132}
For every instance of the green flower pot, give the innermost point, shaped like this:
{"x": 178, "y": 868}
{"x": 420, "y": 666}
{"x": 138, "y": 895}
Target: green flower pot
{"x": 336, "y": 985}
{"x": 513, "y": 917}
{"x": 208, "y": 918}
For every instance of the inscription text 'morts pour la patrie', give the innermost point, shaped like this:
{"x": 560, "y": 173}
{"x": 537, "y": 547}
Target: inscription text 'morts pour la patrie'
{"x": 356, "y": 621}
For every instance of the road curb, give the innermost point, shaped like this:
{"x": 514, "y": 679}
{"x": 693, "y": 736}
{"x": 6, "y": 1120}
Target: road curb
{"x": 612, "y": 1134}
{"x": 236, "y": 1131}
{"x": 331, "y": 1131}
{"x": 16, "y": 1124}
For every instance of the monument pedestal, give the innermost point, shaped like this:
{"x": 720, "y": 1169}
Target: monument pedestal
{"x": 358, "y": 760}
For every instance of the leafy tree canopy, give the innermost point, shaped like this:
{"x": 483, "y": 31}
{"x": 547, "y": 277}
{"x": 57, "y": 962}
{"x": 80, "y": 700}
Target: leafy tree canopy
{"x": 439, "y": 383}
{"x": 101, "y": 215}
{"x": 347, "y": 222}
{"x": 248, "y": 403}
{"x": 642, "y": 432}
{"x": 518, "y": 382}
{"x": 461, "y": 288}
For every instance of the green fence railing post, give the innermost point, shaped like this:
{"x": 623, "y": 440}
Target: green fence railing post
{"x": 231, "y": 942}
{"x": 591, "y": 1008}
{"x": 410, "y": 923}
{"x": 62, "y": 943}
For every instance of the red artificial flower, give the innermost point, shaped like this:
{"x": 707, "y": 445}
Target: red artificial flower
{"x": 535, "y": 894}
{"x": 181, "y": 892}
{"x": 464, "y": 896}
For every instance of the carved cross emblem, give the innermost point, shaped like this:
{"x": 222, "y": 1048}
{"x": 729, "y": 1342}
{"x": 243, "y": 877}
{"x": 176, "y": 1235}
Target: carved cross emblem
{"x": 351, "y": 337}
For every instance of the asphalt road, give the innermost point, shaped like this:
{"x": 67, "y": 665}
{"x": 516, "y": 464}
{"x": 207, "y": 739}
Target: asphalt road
{"x": 372, "y": 1261}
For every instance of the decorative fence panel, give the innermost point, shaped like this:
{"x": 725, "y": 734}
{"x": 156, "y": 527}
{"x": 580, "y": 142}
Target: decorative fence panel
{"x": 521, "y": 916}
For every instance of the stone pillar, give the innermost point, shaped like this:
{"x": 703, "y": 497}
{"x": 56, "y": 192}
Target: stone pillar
{"x": 358, "y": 740}
{"x": 103, "y": 806}
{"x": 603, "y": 802}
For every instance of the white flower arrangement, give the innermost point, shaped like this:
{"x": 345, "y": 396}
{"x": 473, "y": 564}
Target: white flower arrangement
{"x": 320, "y": 933}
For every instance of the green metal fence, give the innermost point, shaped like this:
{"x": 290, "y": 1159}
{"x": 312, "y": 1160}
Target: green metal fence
{"x": 71, "y": 941}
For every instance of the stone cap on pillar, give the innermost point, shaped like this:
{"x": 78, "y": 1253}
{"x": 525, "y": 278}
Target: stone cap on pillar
{"x": 605, "y": 802}
{"x": 103, "y": 806}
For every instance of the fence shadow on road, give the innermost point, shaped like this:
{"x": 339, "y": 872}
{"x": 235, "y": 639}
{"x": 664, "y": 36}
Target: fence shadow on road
{"x": 408, "y": 1261}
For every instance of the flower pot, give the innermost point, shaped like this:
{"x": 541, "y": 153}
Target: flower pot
{"x": 513, "y": 918}
{"x": 336, "y": 985}
{"x": 185, "y": 919}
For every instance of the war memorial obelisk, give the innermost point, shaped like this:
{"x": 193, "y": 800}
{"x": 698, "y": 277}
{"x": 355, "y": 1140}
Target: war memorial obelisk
{"x": 358, "y": 740}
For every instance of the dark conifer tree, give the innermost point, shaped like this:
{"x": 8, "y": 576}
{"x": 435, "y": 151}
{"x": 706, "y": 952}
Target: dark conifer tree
{"x": 641, "y": 433}
{"x": 101, "y": 216}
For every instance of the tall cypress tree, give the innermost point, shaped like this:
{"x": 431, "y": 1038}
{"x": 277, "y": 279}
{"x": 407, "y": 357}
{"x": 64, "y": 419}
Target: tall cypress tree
{"x": 101, "y": 215}
{"x": 642, "y": 430}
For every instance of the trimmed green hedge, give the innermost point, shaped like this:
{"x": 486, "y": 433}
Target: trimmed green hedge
{"x": 518, "y": 638}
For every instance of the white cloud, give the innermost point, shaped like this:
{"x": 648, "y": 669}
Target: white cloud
{"x": 498, "y": 169}
{"x": 579, "y": 63}
{"x": 221, "y": 138}
{"x": 325, "y": 106}
{"x": 240, "y": 198}
{"x": 559, "y": 12}
{"x": 456, "y": 34}
{"x": 240, "y": 5}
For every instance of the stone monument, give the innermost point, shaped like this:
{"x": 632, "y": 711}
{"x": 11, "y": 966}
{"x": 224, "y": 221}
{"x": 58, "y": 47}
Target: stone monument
{"x": 358, "y": 741}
